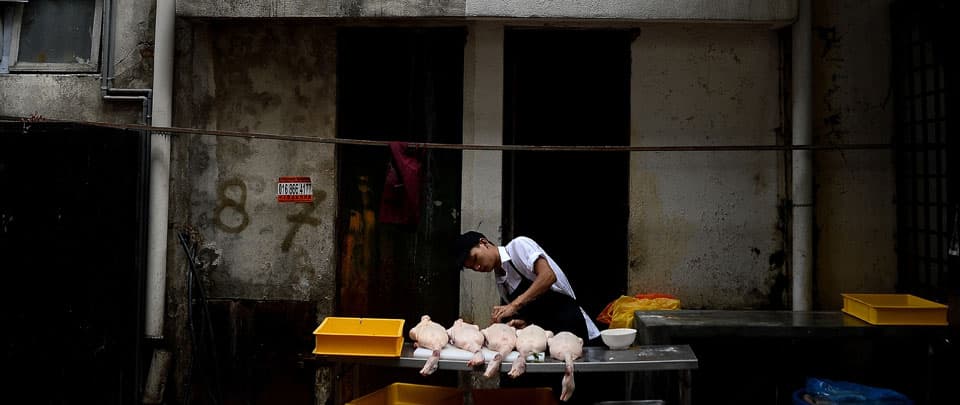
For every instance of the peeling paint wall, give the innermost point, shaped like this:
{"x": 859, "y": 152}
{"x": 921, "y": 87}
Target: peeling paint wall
{"x": 852, "y": 103}
{"x": 706, "y": 225}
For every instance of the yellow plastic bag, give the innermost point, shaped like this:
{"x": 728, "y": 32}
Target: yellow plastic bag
{"x": 619, "y": 313}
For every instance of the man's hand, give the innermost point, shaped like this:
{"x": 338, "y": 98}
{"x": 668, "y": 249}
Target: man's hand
{"x": 517, "y": 323}
{"x": 503, "y": 311}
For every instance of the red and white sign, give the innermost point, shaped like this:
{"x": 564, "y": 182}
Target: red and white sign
{"x": 294, "y": 189}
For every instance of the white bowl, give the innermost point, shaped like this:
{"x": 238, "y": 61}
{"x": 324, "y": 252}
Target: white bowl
{"x": 618, "y": 338}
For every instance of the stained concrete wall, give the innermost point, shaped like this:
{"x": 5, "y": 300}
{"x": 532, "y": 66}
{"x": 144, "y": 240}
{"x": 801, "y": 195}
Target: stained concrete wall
{"x": 706, "y": 225}
{"x": 852, "y": 103}
{"x": 58, "y": 97}
{"x": 782, "y": 11}
{"x": 276, "y": 79}
{"x": 709, "y": 226}
{"x": 77, "y": 96}
{"x": 250, "y": 76}
{"x": 733, "y": 10}
{"x": 133, "y": 49}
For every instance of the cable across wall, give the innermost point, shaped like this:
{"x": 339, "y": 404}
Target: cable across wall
{"x": 455, "y": 146}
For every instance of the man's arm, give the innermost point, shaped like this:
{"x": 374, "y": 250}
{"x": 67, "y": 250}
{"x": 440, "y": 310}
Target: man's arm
{"x": 545, "y": 278}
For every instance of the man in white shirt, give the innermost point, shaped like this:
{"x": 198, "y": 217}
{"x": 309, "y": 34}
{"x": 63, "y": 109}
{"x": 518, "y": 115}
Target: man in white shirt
{"x": 533, "y": 289}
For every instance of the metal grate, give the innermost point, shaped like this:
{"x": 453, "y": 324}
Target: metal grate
{"x": 925, "y": 175}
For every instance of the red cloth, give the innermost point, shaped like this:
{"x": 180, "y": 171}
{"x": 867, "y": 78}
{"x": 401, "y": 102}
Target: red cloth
{"x": 401, "y": 191}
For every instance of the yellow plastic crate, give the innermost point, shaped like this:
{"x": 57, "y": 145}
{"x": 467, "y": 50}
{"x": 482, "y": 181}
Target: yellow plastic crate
{"x": 410, "y": 394}
{"x": 526, "y": 396}
{"x": 359, "y": 337}
{"x": 894, "y": 309}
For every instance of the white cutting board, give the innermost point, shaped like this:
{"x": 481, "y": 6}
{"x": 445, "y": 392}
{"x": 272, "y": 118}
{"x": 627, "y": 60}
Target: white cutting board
{"x": 449, "y": 352}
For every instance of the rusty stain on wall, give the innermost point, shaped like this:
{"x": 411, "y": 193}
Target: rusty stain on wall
{"x": 778, "y": 282}
{"x": 855, "y": 214}
{"x": 703, "y": 225}
{"x": 830, "y": 43}
{"x": 351, "y": 8}
{"x": 661, "y": 248}
{"x": 267, "y": 74}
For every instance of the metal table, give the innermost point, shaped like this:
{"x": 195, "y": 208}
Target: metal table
{"x": 630, "y": 361}
{"x": 781, "y": 342}
{"x": 663, "y": 327}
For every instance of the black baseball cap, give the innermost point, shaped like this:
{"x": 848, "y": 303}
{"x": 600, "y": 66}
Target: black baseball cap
{"x": 463, "y": 245}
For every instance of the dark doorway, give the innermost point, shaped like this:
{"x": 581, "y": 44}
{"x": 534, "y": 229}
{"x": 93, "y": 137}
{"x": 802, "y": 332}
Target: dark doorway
{"x": 570, "y": 87}
{"x": 928, "y": 175}
{"x": 398, "y": 84}
{"x": 72, "y": 249}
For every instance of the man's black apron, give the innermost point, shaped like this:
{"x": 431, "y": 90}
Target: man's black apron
{"x": 552, "y": 311}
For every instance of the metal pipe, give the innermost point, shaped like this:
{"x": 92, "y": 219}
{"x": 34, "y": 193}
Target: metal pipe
{"x": 146, "y": 100}
{"x": 107, "y": 92}
{"x": 157, "y": 377}
{"x": 106, "y": 48}
{"x": 160, "y": 168}
{"x": 802, "y": 192}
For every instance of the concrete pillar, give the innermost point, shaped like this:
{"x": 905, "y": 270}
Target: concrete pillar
{"x": 482, "y": 188}
{"x": 803, "y": 199}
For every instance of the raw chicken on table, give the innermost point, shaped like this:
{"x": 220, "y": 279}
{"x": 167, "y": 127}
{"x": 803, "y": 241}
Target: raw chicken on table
{"x": 430, "y": 335}
{"x": 501, "y": 339}
{"x": 567, "y": 347}
{"x": 468, "y": 337}
{"x": 531, "y": 339}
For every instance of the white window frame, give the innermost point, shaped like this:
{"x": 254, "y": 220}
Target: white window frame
{"x": 7, "y": 7}
{"x": 16, "y": 66}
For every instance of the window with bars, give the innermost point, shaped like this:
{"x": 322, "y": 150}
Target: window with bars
{"x": 926, "y": 177}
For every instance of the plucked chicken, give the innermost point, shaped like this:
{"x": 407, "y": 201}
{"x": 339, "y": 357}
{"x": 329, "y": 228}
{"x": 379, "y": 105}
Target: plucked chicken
{"x": 432, "y": 336}
{"x": 468, "y": 337}
{"x": 501, "y": 339}
{"x": 531, "y": 339}
{"x": 567, "y": 347}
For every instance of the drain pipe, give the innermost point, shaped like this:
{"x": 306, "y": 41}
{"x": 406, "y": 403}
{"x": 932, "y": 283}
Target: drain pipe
{"x": 156, "y": 115}
{"x": 159, "y": 197}
{"x": 803, "y": 223}
{"x": 160, "y": 166}
{"x": 156, "y": 112}
{"x": 107, "y": 91}
{"x": 152, "y": 391}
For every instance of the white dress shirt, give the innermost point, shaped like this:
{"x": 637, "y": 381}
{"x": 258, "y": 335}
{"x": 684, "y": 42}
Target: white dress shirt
{"x": 522, "y": 253}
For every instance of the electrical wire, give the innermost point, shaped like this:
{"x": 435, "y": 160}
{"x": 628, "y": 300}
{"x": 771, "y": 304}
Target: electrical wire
{"x": 199, "y": 341}
{"x": 457, "y": 146}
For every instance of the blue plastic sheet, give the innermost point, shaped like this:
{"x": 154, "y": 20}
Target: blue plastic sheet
{"x": 825, "y": 391}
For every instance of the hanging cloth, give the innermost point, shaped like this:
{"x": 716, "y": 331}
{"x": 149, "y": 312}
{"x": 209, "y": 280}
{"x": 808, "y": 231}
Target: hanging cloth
{"x": 400, "y": 203}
